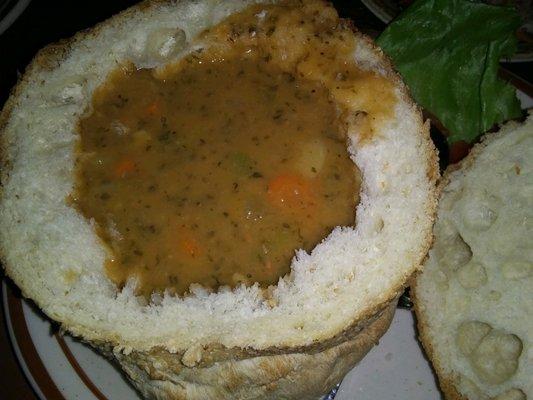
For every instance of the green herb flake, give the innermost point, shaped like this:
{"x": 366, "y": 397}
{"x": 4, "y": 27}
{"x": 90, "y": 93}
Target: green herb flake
{"x": 241, "y": 162}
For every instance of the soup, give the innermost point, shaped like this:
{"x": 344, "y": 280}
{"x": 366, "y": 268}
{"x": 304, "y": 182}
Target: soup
{"x": 216, "y": 169}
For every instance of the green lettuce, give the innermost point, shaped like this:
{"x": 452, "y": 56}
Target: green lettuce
{"x": 447, "y": 52}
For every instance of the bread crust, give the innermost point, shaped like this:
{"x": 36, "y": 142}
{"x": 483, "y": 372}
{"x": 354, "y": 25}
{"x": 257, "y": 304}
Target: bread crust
{"x": 334, "y": 354}
{"x": 446, "y": 383}
{"x": 291, "y": 375}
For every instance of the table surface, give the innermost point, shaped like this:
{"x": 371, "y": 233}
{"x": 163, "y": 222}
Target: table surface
{"x": 45, "y": 22}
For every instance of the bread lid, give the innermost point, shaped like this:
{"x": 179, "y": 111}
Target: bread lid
{"x": 56, "y": 258}
{"x": 473, "y": 299}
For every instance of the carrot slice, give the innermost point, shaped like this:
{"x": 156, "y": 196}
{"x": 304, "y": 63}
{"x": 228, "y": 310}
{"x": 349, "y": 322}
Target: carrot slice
{"x": 124, "y": 168}
{"x": 153, "y": 108}
{"x": 291, "y": 191}
{"x": 190, "y": 246}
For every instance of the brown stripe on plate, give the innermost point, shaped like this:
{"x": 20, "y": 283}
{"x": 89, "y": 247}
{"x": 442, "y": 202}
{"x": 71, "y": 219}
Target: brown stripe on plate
{"x": 79, "y": 370}
{"x": 27, "y": 348}
{"x": 517, "y": 81}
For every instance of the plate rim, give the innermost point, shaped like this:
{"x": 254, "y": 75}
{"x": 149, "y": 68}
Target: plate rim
{"x": 14, "y": 12}
{"x": 28, "y": 357}
{"x": 24, "y": 348}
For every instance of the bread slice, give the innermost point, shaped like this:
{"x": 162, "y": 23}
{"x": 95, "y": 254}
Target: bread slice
{"x": 293, "y": 341}
{"x": 474, "y": 299}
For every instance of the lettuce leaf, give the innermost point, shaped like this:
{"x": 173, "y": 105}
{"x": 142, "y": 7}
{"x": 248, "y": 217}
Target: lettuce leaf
{"x": 448, "y": 53}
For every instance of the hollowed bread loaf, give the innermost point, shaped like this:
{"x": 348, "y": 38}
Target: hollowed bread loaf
{"x": 292, "y": 340}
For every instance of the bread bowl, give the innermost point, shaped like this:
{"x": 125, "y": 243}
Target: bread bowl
{"x": 295, "y": 339}
{"x": 473, "y": 299}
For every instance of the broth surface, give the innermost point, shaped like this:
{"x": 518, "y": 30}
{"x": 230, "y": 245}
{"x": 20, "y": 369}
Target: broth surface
{"x": 214, "y": 175}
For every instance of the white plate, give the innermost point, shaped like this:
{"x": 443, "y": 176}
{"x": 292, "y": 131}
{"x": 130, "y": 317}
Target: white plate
{"x": 59, "y": 367}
